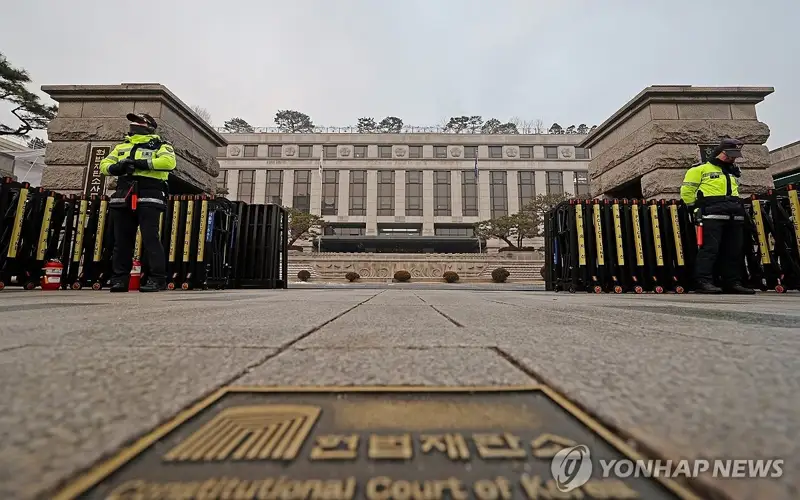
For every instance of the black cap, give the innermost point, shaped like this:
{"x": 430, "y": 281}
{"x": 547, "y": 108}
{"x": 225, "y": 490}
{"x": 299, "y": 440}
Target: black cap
{"x": 142, "y": 119}
{"x": 731, "y": 147}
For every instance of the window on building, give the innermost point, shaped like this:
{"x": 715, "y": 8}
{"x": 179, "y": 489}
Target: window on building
{"x": 526, "y": 152}
{"x": 495, "y": 151}
{"x": 498, "y": 194}
{"x": 440, "y": 151}
{"x": 222, "y": 179}
{"x": 469, "y": 194}
{"x": 415, "y": 151}
{"x": 345, "y": 230}
{"x": 305, "y": 151}
{"x": 250, "y": 151}
{"x": 386, "y": 192}
{"x": 360, "y": 152}
{"x": 581, "y": 154}
{"x": 358, "y": 192}
{"x": 441, "y": 193}
{"x": 330, "y": 151}
{"x": 462, "y": 231}
{"x": 385, "y": 151}
{"x": 330, "y": 192}
{"x": 582, "y": 184}
{"x": 555, "y": 182}
{"x": 274, "y": 151}
{"x": 470, "y": 151}
{"x": 274, "y": 186}
{"x": 551, "y": 152}
{"x": 527, "y": 188}
{"x": 246, "y": 185}
{"x": 414, "y": 192}
{"x": 302, "y": 190}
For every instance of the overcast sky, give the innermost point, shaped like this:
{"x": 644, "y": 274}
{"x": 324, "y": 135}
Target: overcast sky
{"x": 568, "y": 61}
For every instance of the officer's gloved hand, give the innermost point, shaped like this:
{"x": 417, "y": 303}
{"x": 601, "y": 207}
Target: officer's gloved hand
{"x": 124, "y": 167}
{"x": 141, "y": 165}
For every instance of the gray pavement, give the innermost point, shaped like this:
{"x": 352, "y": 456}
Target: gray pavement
{"x": 84, "y": 373}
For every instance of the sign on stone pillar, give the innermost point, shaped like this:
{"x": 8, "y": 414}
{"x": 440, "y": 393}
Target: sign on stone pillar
{"x": 706, "y": 151}
{"x": 95, "y": 181}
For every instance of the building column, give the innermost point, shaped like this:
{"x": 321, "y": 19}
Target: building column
{"x": 484, "y": 200}
{"x": 316, "y": 192}
{"x": 568, "y": 179}
{"x": 512, "y": 186}
{"x": 399, "y": 193}
{"x": 344, "y": 193}
{"x": 540, "y": 181}
{"x": 233, "y": 185}
{"x": 456, "y": 202}
{"x": 427, "y": 203}
{"x": 260, "y": 187}
{"x": 287, "y": 191}
{"x": 372, "y": 202}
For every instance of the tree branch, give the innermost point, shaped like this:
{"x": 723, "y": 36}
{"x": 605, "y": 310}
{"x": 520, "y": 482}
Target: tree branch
{"x": 23, "y": 129}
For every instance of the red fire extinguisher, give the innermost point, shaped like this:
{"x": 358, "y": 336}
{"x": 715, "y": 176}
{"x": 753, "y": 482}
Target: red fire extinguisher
{"x": 51, "y": 277}
{"x": 136, "y": 276}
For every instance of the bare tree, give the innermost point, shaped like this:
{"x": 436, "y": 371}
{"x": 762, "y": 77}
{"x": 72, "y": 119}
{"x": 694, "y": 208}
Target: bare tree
{"x": 538, "y": 126}
{"x": 202, "y": 113}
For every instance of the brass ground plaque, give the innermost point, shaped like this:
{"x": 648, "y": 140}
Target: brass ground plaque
{"x": 375, "y": 443}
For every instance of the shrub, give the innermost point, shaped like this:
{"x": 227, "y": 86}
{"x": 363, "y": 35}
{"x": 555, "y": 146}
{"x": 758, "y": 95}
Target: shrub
{"x": 402, "y": 275}
{"x": 450, "y": 276}
{"x": 500, "y": 275}
{"x": 303, "y": 275}
{"x": 351, "y": 276}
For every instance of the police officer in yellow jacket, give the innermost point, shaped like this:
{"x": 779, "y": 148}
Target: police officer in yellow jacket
{"x": 142, "y": 165}
{"x": 711, "y": 190}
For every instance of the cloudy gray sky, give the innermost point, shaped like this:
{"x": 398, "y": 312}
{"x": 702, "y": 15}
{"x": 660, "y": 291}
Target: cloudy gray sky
{"x": 569, "y": 61}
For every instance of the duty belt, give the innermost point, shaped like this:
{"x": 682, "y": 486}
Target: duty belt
{"x": 722, "y": 217}
{"x": 713, "y": 199}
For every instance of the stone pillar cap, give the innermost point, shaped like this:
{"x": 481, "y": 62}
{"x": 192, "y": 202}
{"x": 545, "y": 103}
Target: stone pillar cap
{"x": 676, "y": 94}
{"x": 132, "y": 92}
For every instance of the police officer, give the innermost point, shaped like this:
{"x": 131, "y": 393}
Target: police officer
{"x": 142, "y": 165}
{"x": 711, "y": 190}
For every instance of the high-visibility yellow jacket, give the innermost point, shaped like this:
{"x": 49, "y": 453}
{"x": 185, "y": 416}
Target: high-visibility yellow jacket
{"x": 159, "y": 154}
{"x": 709, "y": 179}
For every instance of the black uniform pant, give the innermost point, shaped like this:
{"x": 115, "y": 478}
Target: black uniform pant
{"x": 723, "y": 249}
{"x": 125, "y": 222}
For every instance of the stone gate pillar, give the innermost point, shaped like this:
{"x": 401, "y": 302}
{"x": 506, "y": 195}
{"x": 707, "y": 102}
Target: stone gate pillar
{"x": 645, "y": 148}
{"x": 91, "y": 117}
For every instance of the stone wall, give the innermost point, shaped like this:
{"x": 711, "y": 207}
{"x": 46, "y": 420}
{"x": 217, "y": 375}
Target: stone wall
{"x": 94, "y": 115}
{"x": 648, "y": 145}
{"x": 785, "y": 160}
{"x": 332, "y": 267}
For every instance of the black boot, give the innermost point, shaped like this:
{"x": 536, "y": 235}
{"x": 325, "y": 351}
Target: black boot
{"x": 153, "y": 285}
{"x": 738, "y": 289}
{"x": 706, "y": 287}
{"x": 119, "y": 285}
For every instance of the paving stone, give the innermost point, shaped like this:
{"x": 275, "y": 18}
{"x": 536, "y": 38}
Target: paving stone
{"x": 387, "y": 366}
{"x": 63, "y": 408}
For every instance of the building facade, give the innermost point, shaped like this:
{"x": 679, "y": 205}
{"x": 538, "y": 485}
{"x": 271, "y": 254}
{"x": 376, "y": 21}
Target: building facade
{"x": 407, "y": 192}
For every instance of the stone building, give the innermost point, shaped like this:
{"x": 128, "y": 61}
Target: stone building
{"x": 405, "y": 192}
{"x": 785, "y": 164}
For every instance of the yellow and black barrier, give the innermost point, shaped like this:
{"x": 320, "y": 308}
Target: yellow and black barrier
{"x": 209, "y": 242}
{"x": 633, "y": 245}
